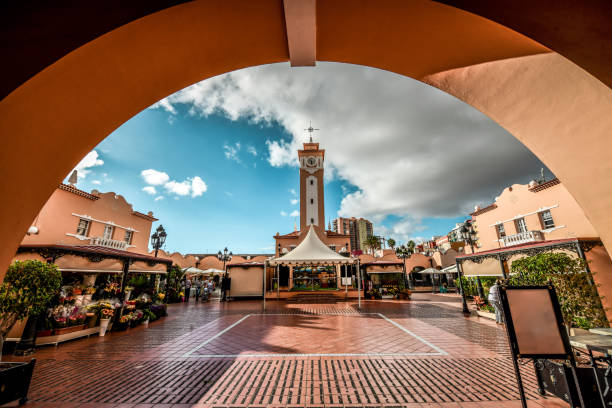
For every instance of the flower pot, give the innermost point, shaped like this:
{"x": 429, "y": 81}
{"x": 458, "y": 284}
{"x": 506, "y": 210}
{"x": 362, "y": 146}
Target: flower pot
{"x": 91, "y": 321}
{"x": 146, "y": 323}
{"x": 127, "y": 294}
{"x": 103, "y": 326}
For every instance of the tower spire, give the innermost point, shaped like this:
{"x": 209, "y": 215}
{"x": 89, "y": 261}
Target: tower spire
{"x": 310, "y": 129}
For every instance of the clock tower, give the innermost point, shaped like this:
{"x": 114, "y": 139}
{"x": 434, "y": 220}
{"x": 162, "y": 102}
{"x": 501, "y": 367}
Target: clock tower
{"x": 312, "y": 210}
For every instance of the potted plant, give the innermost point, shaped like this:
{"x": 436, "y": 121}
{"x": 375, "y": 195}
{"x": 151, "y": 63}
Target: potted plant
{"x": 147, "y": 317}
{"x": 27, "y": 288}
{"x": 106, "y": 311}
{"x": 123, "y": 323}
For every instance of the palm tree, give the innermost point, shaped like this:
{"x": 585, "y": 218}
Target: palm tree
{"x": 411, "y": 245}
{"x": 391, "y": 243}
{"x": 373, "y": 243}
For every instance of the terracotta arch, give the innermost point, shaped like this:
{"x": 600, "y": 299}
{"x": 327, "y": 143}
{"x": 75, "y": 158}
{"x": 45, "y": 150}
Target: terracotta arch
{"x": 553, "y": 106}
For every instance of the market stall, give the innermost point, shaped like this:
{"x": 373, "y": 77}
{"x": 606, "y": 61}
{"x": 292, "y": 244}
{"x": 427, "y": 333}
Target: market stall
{"x": 100, "y": 287}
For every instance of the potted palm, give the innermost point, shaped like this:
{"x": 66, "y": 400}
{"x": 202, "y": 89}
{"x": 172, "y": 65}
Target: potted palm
{"x": 26, "y": 290}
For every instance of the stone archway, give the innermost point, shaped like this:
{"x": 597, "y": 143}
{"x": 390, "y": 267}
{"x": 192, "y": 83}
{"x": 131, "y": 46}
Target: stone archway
{"x": 553, "y": 106}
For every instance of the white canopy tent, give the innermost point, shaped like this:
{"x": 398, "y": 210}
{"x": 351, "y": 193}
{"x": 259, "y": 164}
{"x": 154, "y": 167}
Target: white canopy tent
{"x": 312, "y": 251}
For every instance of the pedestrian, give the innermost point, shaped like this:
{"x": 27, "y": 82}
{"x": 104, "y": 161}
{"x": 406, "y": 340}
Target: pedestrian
{"x": 495, "y": 300}
{"x": 211, "y": 289}
{"x": 198, "y": 287}
{"x": 187, "y": 289}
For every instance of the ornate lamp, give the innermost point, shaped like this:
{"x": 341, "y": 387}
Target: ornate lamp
{"x": 158, "y": 238}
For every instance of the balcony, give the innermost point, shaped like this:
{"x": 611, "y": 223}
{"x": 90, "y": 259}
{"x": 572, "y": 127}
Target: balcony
{"x": 108, "y": 243}
{"x": 523, "y": 238}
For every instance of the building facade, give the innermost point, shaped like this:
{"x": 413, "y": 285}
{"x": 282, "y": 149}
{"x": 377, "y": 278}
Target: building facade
{"x": 76, "y": 217}
{"x": 530, "y": 213}
{"x": 359, "y": 230}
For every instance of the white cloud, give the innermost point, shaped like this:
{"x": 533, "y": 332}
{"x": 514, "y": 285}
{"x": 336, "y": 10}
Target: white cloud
{"x": 231, "y": 152}
{"x": 96, "y": 182}
{"x": 193, "y": 186}
{"x": 159, "y": 198}
{"x": 294, "y": 213}
{"x": 283, "y": 213}
{"x": 409, "y": 149}
{"x": 182, "y": 188}
{"x": 154, "y": 177}
{"x": 198, "y": 186}
{"x": 90, "y": 160}
{"x": 293, "y": 192}
{"x": 252, "y": 150}
{"x": 294, "y": 201}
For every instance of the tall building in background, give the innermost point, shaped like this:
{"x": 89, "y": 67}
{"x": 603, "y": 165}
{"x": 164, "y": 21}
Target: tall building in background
{"x": 358, "y": 228}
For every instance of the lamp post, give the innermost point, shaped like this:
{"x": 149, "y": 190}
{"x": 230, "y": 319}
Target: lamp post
{"x": 404, "y": 252}
{"x": 225, "y": 257}
{"x": 468, "y": 234}
{"x": 158, "y": 238}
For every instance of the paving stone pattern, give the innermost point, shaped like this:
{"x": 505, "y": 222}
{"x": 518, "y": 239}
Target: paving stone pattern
{"x": 419, "y": 353}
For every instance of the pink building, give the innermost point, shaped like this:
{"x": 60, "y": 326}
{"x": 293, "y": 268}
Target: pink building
{"x": 75, "y": 217}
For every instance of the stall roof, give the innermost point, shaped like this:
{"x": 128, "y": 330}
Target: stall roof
{"x": 312, "y": 251}
{"x": 245, "y": 264}
{"x": 91, "y": 250}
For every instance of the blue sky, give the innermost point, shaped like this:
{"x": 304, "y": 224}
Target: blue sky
{"x": 221, "y": 156}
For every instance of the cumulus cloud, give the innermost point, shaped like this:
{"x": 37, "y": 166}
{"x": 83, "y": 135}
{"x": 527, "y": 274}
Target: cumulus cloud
{"x": 251, "y": 150}
{"x": 193, "y": 186}
{"x": 294, "y": 201}
{"x": 154, "y": 177}
{"x": 158, "y": 198}
{"x": 91, "y": 159}
{"x": 96, "y": 182}
{"x": 283, "y": 213}
{"x": 294, "y": 213}
{"x": 149, "y": 190}
{"x": 409, "y": 149}
{"x": 198, "y": 186}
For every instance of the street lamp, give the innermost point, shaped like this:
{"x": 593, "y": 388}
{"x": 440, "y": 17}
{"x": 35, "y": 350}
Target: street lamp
{"x": 404, "y": 252}
{"x": 224, "y": 256}
{"x": 469, "y": 236}
{"x": 158, "y": 238}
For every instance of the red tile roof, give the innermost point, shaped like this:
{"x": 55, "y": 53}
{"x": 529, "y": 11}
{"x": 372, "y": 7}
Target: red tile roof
{"x": 94, "y": 249}
{"x": 74, "y": 190}
{"x": 246, "y": 264}
{"x": 382, "y": 263}
{"x": 484, "y": 210}
{"x": 545, "y": 185}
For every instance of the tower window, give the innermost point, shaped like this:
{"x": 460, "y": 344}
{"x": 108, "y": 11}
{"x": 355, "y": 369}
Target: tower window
{"x": 311, "y": 182}
{"x": 312, "y": 220}
{"x": 312, "y": 201}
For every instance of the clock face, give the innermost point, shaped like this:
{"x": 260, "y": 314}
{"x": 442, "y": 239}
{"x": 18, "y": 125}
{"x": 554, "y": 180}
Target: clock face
{"x": 311, "y": 161}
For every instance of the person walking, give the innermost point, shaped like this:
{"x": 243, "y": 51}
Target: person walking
{"x": 187, "y": 289}
{"x": 495, "y": 300}
{"x": 198, "y": 287}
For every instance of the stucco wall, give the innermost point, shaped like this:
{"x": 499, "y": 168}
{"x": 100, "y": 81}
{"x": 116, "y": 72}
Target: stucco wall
{"x": 518, "y": 201}
{"x": 56, "y": 219}
{"x": 246, "y": 281}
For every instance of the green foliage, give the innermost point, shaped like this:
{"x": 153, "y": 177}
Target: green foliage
{"x": 175, "y": 276}
{"x": 372, "y": 242}
{"x": 580, "y": 304}
{"x": 139, "y": 281}
{"x": 391, "y": 243}
{"x": 27, "y": 289}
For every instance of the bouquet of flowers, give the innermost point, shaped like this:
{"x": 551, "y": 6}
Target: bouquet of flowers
{"x": 112, "y": 288}
{"x": 90, "y": 290}
{"x": 125, "y": 319}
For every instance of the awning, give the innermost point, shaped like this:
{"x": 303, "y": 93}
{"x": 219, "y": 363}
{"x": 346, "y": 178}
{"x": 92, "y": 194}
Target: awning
{"x": 213, "y": 270}
{"x": 432, "y": 271}
{"x": 450, "y": 269}
{"x": 312, "y": 251}
{"x": 381, "y": 272}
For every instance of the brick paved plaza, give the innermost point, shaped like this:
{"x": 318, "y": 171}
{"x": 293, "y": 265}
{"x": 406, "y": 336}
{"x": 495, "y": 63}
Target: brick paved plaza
{"x": 421, "y": 353}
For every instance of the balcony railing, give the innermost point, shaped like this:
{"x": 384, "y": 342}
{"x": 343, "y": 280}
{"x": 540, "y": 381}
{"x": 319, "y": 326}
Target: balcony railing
{"x": 109, "y": 243}
{"x": 523, "y": 238}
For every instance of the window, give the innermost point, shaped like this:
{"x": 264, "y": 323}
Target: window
{"x": 312, "y": 220}
{"x": 108, "y": 231}
{"x": 128, "y": 236}
{"x": 311, "y": 182}
{"x": 501, "y": 231}
{"x": 547, "y": 220}
{"x": 312, "y": 201}
{"x": 520, "y": 225}
{"x": 83, "y": 227}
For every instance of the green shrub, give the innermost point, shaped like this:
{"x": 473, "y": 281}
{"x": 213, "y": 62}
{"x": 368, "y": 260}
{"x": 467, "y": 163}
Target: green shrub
{"x": 27, "y": 289}
{"x": 578, "y": 298}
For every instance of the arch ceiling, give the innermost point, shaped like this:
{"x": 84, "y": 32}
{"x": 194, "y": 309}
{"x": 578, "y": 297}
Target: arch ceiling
{"x": 79, "y": 70}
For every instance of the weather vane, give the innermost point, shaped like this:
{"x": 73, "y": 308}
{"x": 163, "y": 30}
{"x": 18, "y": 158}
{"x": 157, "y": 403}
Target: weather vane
{"x": 310, "y": 130}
